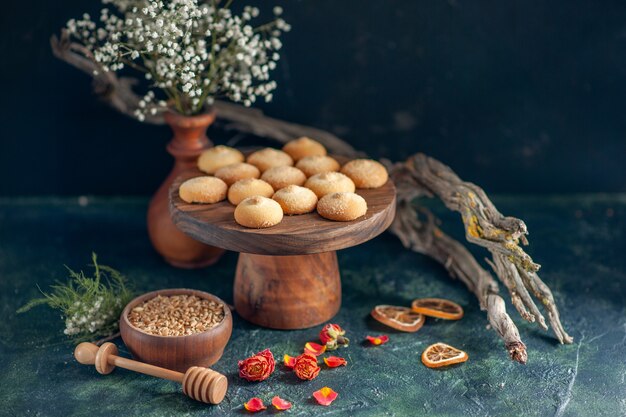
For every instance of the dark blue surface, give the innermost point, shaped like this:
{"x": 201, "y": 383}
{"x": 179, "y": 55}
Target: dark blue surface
{"x": 580, "y": 242}
{"x": 518, "y": 96}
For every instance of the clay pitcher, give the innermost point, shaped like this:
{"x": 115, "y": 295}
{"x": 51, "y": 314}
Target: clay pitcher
{"x": 177, "y": 248}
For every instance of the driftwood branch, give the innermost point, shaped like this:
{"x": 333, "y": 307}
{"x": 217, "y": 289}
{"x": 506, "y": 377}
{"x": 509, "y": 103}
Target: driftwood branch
{"x": 417, "y": 228}
{"x": 487, "y": 227}
{"x": 118, "y": 93}
{"x": 253, "y": 121}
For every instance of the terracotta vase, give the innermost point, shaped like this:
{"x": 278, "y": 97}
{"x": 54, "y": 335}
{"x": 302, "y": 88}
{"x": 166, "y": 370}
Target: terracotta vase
{"x": 177, "y": 248}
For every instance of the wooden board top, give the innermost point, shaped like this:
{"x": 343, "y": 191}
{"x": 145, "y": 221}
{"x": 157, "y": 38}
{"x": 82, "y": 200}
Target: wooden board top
{"x": 214, "y": 224}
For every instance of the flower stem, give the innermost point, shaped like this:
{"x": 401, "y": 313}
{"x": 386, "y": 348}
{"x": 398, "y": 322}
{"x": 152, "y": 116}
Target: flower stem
{"x": 102, "y": 341}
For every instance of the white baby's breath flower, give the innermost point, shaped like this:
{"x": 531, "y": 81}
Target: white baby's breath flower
{"x": 194, "y": 50}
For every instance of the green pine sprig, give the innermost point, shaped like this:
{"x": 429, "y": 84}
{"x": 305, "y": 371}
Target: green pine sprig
{"x": 90, "y": 306}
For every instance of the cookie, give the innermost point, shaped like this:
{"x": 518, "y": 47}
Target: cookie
{"x": 329, "y": 182}
{"x": 213, "y": 159}
{"x": 366, "y": 173}
{"x": 280, "y": 177}
{"x": 295, "y": 199}
{"x": 232, "y": 173}
{"x": 268, "y": 158}
{"x": 342, "y": 207}
{"x": 318, "y": 164}
{"x": 258, "y": 212}
{"x": 302, "y": 147}
{"x": 243, "y": 189}
{"x": 205, "y": 190}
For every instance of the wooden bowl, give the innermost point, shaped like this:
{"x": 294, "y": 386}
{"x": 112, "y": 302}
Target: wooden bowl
{"x": 178, "y": 353}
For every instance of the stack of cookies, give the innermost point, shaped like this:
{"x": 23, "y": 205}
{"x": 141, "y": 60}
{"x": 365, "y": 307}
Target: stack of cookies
{"x": 270, "y": 183}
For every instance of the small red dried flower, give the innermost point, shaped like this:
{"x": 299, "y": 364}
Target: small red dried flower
{"x": 325, "y": 396}
{"x": 332, "y": 336}
{"x": 378, "y": 340}
{"x": 314, "y": 348}
{"x": 280, "y": 404}
{"x": 335, "y": 361}
{"x": 305, "y": 366}
{"x": 257, "y": 367}
{"x": 254, "y": 404}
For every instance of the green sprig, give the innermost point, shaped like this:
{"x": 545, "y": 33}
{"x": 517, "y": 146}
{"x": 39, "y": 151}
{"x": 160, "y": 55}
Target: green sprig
{"x": 90, "y": 306}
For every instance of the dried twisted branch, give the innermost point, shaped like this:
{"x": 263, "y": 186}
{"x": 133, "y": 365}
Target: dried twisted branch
{"x": 416, "y": 227}
{"x": 501, "y": 235}
{"x": 118, "y": 93}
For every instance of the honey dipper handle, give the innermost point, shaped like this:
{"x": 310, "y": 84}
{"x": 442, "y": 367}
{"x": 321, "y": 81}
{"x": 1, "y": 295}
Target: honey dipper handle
{"x": 105, "y": 359}
{"x": 202, "y": 384}
{"x": 145, "y": 368}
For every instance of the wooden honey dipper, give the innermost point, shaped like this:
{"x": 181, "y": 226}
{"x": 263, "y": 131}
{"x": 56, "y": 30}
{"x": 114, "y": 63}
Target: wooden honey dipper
{"x": 201, "y": 384}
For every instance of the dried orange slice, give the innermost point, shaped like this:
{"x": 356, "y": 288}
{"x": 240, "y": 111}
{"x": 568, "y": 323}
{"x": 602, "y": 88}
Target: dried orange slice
{"x": 437, "y": 307}
{"x": 399, "y": 318}
{"x": 440, "y": 354}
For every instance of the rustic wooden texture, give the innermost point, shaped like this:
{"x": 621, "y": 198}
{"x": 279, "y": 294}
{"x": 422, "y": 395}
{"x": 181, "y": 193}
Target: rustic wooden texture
{"x": 201, "y": 384}
{"x": 485, "y": 226}
{"x": 414, "y": 224}
{"x": 287, "y": 292}
{"x": 206, "y": 385}
{"x": 105, "y": 358}
{"x": 215, "y": 224}
{"x": 177, "y": 248}
{"x": 287, "y": 275}
{"x": 176, "y": 352}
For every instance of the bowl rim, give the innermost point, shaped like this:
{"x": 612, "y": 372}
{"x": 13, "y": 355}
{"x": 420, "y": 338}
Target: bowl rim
{"x": 175, "y": 291}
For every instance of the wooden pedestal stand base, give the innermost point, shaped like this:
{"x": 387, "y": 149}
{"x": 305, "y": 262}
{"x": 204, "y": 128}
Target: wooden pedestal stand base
{"x": 287, "y": 276}
{"x": 287, "y": 292}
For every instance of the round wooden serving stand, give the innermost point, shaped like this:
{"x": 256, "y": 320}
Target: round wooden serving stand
{"x": 287, "y": 275}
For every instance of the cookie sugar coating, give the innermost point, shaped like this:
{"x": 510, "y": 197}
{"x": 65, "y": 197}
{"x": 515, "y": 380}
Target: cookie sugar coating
{"x": 243, "y": 189}
{"x": 215, "y": 158}
{"x": 280, "y": 177}
{"x": 205, "y": 190}
{"x": 258, "y": 212}
{"x": 366, "y": 173}
{"x": 294, "y": 200}
{"x": 329, "y": 182}
{"x": 342, "y": 207}
{"x": 268, "y": 158}
{"x": 232, "y": 173}
{"x": 302, "y": 147}
{"x": 318, "y": 164}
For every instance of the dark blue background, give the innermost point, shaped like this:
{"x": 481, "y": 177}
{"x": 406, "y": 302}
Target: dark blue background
{"x": 517, "y": 96}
